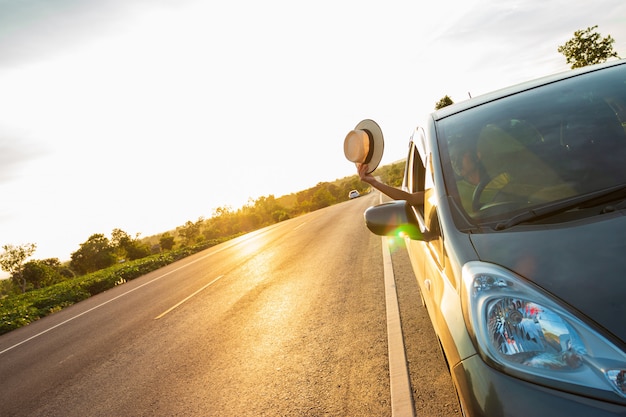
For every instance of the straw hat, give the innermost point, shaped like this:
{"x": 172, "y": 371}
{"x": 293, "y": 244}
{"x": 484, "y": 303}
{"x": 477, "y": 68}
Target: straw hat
{"x": 365, "y": 144}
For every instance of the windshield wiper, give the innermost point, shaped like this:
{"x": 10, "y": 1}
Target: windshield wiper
{"x": 560, "y": 206}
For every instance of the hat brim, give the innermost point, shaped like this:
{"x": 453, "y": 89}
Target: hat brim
{"x": 378, "y": 143}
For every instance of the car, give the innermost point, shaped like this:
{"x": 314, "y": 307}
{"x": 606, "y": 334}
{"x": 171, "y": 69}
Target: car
{"x": 522, "y": 265}
{"x": 354, "y": 194}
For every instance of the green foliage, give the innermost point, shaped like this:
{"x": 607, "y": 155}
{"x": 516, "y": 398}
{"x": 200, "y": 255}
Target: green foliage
{"x": 96, "y": 253}
{"x": 221, "y": 224}
{"x": 190, "y": 231}
{"x": 136, "y": 250}
{"x": 21, "y": 309}
{"x": 41, "y": 273}
{"x": 280, "y": 215}
{"x": 127, "y": 248}
{"x": 166, "y": 241}
{"x": 392, "y": 174}
{"x": 325, "y": 194}
{"x": 323, "y": 197}
{"x": 587, "y": 48}
{"x": 20, "y": 314}
{"x": 7, "y": 288}
{"x": 12, "y": 261}
{"x": 445, "y": 101}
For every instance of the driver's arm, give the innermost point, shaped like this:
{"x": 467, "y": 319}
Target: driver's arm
{"x": 414, "y": 199}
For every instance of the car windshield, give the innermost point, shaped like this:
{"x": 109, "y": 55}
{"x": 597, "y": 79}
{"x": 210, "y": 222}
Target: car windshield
{"x": 546, "y": 144}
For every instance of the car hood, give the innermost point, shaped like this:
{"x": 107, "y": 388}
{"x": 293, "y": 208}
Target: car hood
{"x": 583, "y": 263}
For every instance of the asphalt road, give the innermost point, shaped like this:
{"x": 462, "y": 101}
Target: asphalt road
{"x": 286, "y": 321}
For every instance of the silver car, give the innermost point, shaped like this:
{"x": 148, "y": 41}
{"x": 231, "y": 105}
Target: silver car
{"x": 519, "y": 249}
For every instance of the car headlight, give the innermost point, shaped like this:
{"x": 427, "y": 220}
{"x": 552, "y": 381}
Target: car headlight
{"x": 525, "y": 332}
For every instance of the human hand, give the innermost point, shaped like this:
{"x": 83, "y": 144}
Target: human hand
{"x": 365, "y": 177}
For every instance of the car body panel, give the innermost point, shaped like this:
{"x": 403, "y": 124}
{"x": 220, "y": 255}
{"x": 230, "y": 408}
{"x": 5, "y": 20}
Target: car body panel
{"x": 574, "y": 252}
{"x": 440, "y": 298}
{"x": 491, "y": 393}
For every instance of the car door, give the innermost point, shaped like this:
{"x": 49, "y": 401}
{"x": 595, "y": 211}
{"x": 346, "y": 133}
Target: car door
{"x": 427, "y": 256}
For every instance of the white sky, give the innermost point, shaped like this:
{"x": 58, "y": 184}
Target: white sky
{"x": 144, "y": 114}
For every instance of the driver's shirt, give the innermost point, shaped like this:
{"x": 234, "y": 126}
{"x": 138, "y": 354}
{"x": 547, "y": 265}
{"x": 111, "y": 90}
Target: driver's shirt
{"x": 466, "y": 191}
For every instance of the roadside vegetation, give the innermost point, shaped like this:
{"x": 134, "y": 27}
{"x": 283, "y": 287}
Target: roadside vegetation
{"x": 37, "y": 288}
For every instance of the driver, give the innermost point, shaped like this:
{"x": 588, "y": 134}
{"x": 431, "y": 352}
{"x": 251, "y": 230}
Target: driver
{"x": 470, "y": 172}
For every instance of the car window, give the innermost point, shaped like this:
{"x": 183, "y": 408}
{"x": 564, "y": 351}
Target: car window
{"x": 542, "y": 145}
{"x": 415, "y": 172}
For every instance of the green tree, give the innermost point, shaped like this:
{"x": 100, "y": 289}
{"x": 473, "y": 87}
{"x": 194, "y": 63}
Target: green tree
{"x": 221, "y": 224}
{"x": 12, "y": 261}
{"x": 445, "y": 101}
{"x": 120, "y": 240}
{"x": 265, "y": 207}
{"x": 323, "y": 196}
{"x": 166, "y": 241}
{"x": 393, "y": 174}
{"x": 42, "y": 273}
{"x": 247, "y": 219}
{"x": 191, "y": 232}
{"x": 7, "y": 288}
{"x": 280, "y": 215}
{"x": 136, "y": 250}
{"x": 127, "y": 247}
{"x": 95, "y": 254}
{"x": 587, "y": 48}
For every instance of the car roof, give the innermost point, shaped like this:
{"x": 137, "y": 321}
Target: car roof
{"x": 517, "y": 88}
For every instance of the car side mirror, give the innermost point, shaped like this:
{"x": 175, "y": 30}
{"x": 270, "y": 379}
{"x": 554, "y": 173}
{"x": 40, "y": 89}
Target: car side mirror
{"x": 394, "y": 218}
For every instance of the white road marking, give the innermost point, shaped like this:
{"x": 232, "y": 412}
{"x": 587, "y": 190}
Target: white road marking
{"x": 226, "y": 245}
{"x": 119, "y": 296}
{"x": 299, "y": 226}
{"x": 401, "y": 396}
{"x": 187, "y": 298}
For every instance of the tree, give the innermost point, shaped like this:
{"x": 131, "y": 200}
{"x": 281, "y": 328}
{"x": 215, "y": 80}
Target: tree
{"x": 190, "y": 231}
{"x": 221, "y": 224}
{"x": 95, "y": 254}
{"x": 120, "y": 240}
{"x": 393, "y": 174}
{"x": 7, "y": 288}
{"x": 12, "y": 261}
{"x": 587, "y": 48}
{"x": 42, "y": 273}
{"x": 166, "y": 241}
{"x": 265, "y": 206}
{"x": 136, "y": 250}
{"x": 126, "y": 247}
{"x": 323, "y": 196}
{"x": 445, "y": 101}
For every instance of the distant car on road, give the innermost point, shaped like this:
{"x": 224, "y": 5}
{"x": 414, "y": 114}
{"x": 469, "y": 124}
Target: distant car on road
{"x": 353, "y": 194}
{"x": 519, "y": 248}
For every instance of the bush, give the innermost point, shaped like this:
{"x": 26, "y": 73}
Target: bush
{"x": 22, "y": 309}
{"x": 17, "y": 315}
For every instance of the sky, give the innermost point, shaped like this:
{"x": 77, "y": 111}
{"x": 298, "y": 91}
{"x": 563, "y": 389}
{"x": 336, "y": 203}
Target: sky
{"x": 145, "y": 114}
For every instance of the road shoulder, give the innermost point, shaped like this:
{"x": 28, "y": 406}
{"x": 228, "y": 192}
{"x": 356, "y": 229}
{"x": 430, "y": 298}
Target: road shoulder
{"x": 431, "y": 383}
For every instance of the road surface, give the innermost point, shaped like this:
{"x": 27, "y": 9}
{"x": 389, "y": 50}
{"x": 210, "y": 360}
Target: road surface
{"x": 286, "y": 321}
